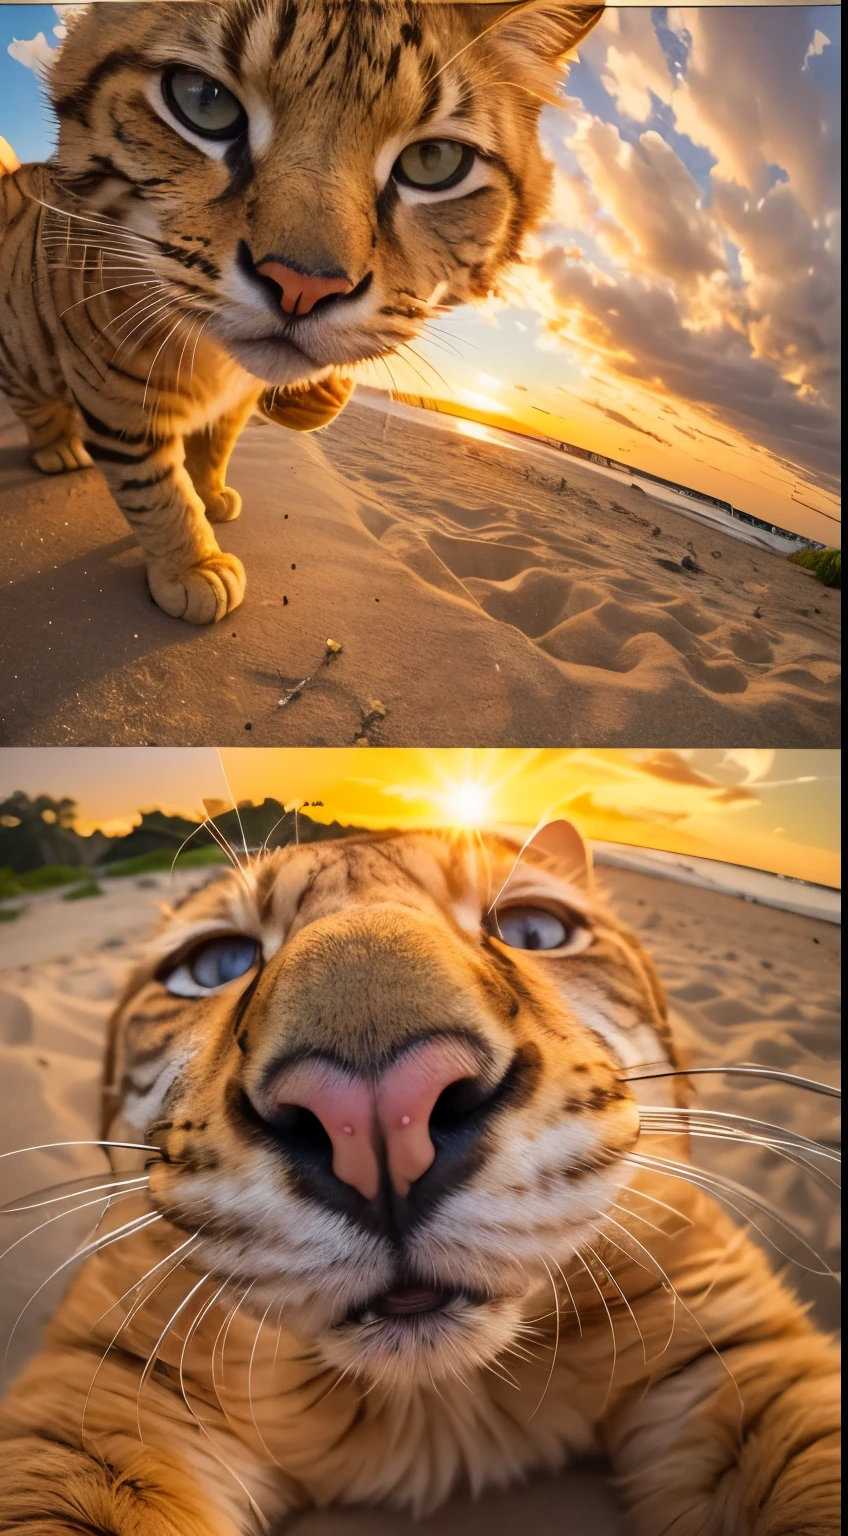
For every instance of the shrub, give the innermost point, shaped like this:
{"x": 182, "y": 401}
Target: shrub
{"x": 163, "y": 858}
{"x": 79, "y": 892}
{"x": 825, "y": 563}
{"x": 48, "y": 877}
{"x": 10, "y": 884}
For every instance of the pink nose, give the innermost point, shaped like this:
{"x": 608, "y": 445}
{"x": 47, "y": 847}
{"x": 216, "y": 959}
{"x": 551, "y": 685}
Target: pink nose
{"x": 358, "y": 1115}
{"x": 300, "y": 291}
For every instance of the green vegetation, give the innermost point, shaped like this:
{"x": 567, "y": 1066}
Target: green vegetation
{"x": 8, "y": 914}
{"x": 47, "y": 878}
{"x": 51, "y": 877}
{"x": 163, "y": 858}
{"x": 825, "y": 563}
{"x": 9, "y": 885}
{"x": 79, "y": 892}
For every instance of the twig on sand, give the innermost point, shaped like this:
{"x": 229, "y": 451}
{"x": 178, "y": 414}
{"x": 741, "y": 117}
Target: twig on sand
{"x": 332, "y": 650}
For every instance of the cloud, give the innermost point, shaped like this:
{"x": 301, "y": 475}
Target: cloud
{"x": 697, "y": 239}
{"x": 675, "y": 770}
{"x": 644, "y": 333}
{"x": 754, "y": 763}
{"x": 816, "y": 47}
{"x": 630, "y": 60}
{"x": 734, "y": 794}
{"x": 587, "y": 806}
{"x": 748, "y": 97}
{"x": 791, "y": 305}
{"x": 34, "y": 53}
{"x": 642, "y": 204}
{"x": 626, "y": 421}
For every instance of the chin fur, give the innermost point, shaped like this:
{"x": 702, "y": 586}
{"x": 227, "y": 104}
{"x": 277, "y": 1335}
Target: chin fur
{"x": 274, "y": 361}
{"x": 461, "y": 1337}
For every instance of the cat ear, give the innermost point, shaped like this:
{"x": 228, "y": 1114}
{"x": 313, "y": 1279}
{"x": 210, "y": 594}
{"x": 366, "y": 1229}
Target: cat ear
{"x": 562, "y": 841}
{"x": 541, "y": 30}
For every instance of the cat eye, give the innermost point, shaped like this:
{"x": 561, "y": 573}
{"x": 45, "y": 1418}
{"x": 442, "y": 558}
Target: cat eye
{"x": 536, "y": 928}
{"x": 203, "y": 104}
{"x": 212, "y": 965}
{"x": 434, "y": 165}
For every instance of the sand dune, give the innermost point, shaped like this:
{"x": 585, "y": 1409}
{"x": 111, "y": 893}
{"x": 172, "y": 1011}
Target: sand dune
{"x": 745, "y": 982}
{"x": 482, "y": 595}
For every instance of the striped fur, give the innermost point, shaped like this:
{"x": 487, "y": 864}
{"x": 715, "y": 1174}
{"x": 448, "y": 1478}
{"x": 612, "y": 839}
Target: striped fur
{"x": 135, "y": 331}
{"x": 260, "y": 1392}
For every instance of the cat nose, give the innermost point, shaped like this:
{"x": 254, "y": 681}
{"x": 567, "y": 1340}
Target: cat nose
{"x": 300, "y": 291}
{"x": 366, "y": 1120}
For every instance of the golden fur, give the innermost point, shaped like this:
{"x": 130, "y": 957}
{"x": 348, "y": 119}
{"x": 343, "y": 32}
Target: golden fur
{"x": 136, "y": 330}
{"x": 211, "y": 1368}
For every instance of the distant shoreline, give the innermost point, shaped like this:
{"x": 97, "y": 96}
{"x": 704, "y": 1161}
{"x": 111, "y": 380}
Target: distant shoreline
{"x": 697, "y": 505}
{"x": 786, "y": 892}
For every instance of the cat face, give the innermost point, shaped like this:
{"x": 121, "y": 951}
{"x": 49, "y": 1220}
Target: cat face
{"x": 319, "y": 176}
{"x": 385, "y": 1076}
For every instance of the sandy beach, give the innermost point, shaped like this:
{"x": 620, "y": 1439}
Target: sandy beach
{"x": 746, "y": 982}
{"x": 482, "y": 595}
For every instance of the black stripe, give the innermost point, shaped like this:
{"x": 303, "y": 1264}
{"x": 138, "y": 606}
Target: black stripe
{"x": 433, "y": 89}
{"x": 235, "y": 36}
{"x": 142, "y": 485}
{"x": 131, "y": 513}
{"x": 239, "y": 163}
{"x": 114, "y": 455}
{"x": 192, "y": 259}
{"x": 104, "y": 430}
{"x": 72, "y": 106}
{"x": 330, "y": 49}
{"x": 285, "y": 29}
{"x": 386, "y": 205}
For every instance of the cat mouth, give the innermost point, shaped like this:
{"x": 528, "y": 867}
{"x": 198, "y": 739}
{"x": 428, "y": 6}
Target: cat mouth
{"x": 411, "y": 1299}
{"x": 281, "y": 345}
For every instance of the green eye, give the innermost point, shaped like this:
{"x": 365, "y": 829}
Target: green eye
{"x": 433, "y": 165}
{"x": 202, "y": 104}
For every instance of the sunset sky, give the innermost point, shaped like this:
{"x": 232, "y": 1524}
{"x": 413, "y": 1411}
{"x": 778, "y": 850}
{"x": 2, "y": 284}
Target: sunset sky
{"x": 680, "y": 310}
{"x": 774, "y": 810}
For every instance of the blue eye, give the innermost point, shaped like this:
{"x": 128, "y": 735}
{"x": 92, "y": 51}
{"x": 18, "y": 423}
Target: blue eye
{"x": 212, "y": 965}
{"x": 531, "y": 928}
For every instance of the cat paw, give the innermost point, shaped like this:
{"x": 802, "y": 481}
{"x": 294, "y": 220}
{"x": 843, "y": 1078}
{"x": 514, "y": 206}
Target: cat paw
{"x": 203, "y": 594}
{"x": 57, "y": 458}
{"x": 223, "y": 506}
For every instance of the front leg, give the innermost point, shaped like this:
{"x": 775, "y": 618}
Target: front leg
{"x": 51, "y": 1489}
{"x": 189, "y": 576}
{"x": 692, "y": 1461}
{"x": 207, "y": 455}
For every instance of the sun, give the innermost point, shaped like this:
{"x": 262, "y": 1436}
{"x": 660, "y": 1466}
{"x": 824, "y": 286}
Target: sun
{"x": 468, "y": 803}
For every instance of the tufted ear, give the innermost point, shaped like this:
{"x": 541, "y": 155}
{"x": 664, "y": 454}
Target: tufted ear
{"x": 541, "y": 30}
{"x": 562, "y": 841}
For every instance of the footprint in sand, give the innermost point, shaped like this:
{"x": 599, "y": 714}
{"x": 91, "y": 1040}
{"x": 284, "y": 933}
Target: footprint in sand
{"x": 470, "y": 557}
{"x": 15, "y": 1020}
